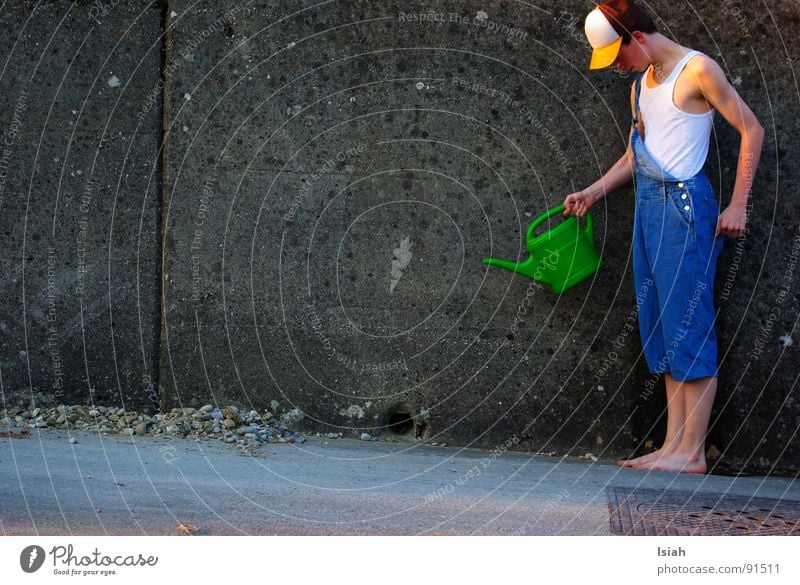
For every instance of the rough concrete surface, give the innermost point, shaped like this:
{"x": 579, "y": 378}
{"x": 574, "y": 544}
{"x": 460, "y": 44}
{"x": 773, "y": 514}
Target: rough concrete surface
{"x": 334, "y": 173}
{"x": 152, "y": 486}
{"x": 81, "y": 203}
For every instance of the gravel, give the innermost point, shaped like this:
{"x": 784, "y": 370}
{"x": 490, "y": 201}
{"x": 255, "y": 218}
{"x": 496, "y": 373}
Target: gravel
{"x": 245, "y": 428}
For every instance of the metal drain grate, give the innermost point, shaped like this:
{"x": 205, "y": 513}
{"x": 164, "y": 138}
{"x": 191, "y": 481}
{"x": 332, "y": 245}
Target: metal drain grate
{"x": 648, "y": 512}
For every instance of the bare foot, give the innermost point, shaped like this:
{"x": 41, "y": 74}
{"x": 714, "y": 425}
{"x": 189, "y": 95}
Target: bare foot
{"x": 666, "y": 449}
{"x": 643, "y": 459}
{"x": 678, "y": 462}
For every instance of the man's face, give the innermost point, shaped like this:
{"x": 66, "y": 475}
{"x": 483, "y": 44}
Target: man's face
{"x": 631, "y": 57}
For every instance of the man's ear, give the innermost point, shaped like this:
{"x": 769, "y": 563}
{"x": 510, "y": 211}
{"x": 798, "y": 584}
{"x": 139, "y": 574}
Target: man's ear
{"x": 638, "y": 36}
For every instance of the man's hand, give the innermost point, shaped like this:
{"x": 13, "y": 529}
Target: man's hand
{"x": 732, "y": 221}
{"x": 578, "y": 204}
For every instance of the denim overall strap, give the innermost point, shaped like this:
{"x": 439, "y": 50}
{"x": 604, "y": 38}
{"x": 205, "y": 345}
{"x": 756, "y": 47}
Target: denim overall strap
{"x": 637, "y": 88}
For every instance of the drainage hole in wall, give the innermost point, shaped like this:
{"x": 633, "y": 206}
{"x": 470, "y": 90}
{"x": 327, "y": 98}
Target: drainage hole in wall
{"x": 400, "y": 423}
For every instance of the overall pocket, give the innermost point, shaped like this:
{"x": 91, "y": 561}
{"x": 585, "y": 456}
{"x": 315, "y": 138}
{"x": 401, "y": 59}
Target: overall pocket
{"x": 680, "y": 200}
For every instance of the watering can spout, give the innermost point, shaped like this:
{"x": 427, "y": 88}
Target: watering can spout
{"x": 512, "y": 266}
{"x": 527, "y": 268}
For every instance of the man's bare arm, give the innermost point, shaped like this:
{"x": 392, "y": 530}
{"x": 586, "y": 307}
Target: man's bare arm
{"x": 721, "y": 95}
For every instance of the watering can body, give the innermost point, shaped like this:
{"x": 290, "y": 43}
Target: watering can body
{"x": 561, "y": 257}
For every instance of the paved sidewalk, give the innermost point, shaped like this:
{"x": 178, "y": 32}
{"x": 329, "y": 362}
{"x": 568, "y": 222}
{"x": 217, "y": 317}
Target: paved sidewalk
{"x": 149, "y": 485}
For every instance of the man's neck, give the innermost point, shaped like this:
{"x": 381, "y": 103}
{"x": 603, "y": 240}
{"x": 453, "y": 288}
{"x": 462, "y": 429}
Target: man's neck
{"x": 664, "y": 52}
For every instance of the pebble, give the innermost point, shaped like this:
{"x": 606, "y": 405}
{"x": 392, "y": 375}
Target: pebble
{"x": 232, "y": 414}
{"x": 366, "y": 437}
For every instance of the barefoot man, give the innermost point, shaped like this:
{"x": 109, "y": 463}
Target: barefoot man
{"x": 678, "y": 230}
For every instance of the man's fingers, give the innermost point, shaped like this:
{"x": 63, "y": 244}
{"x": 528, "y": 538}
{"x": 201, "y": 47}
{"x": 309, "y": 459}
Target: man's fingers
{"x": 731, "y": 232}
{"x": 572, "y": 206}
{"x": 575, "y": 206}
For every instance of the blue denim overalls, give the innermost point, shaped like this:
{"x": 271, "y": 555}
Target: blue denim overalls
{"x": 675, "y": 255}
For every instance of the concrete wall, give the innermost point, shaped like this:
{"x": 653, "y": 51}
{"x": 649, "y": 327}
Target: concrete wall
{"x": 80, "y": 204}
{"x": 303, "y": 144}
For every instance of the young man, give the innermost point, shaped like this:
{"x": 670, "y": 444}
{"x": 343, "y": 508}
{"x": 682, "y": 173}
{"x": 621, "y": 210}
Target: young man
{"x": 678, "y": 230}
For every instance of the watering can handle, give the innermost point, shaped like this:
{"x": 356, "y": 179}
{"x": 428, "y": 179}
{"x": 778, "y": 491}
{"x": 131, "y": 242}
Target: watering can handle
{"x": 542, "y": 218}
{"x": 588, "y": 230}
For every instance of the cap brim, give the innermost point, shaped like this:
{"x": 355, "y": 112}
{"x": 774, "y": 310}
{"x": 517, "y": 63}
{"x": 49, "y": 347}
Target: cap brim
{"x": 605, "y": 56}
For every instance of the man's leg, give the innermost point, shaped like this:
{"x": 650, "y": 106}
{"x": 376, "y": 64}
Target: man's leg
{"x": 676, "y": 419}
{"x": 690, "y": 454}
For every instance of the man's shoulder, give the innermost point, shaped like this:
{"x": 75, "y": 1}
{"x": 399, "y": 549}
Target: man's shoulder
{"x": 702, "y": 65}
{"x": 706, "y": 76}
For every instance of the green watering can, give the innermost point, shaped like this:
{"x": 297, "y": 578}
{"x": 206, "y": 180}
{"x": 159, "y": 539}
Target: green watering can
{"x": 561, "y": 257}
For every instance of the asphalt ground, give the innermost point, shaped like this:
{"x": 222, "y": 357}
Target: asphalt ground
{"x": 114, "y": 485}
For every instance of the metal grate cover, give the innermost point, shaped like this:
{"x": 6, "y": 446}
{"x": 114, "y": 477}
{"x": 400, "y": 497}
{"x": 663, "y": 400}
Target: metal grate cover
{"x": 649, "y": 512}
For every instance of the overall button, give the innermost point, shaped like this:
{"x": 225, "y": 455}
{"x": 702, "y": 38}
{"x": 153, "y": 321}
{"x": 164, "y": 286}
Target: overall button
{"x": 680, "y": 185}
{"x": 686, "y": 208}
{"x": 683, "y": 196}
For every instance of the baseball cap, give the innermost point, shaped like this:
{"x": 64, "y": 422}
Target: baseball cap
{"x": 605, "y": 28}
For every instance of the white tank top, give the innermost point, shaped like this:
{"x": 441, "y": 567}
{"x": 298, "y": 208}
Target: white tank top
{"x": 677, "y": 140}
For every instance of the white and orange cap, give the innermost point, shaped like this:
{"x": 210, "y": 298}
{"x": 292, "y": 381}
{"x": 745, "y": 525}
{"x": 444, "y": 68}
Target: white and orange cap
{"x": 603, "y": 26}
{"x": 605, "y": 41}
